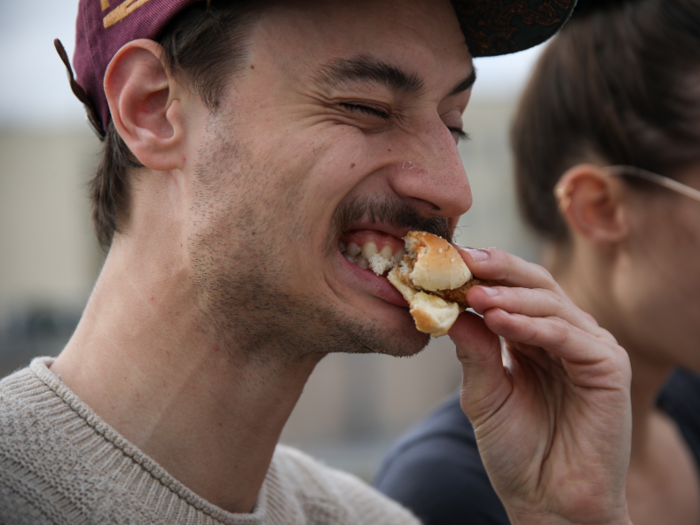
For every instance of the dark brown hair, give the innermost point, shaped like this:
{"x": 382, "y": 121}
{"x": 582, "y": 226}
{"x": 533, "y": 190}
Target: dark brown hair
{"x": 618, "y": 85}
{"x": 203, "y": 46}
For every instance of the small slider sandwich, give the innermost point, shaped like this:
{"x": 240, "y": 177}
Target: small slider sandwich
{"x": 433, "y": 279}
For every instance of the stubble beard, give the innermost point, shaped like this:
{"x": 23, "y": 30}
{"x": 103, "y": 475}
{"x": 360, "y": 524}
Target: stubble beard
{"x": 241, "y": 275}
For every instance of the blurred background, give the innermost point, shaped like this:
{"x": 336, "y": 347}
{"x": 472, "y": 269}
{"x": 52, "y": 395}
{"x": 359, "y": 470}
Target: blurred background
{"x": 353, "y": 406}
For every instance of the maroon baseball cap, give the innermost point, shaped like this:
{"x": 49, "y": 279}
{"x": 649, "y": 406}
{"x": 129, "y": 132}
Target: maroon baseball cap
{"x": 491, "y": 27}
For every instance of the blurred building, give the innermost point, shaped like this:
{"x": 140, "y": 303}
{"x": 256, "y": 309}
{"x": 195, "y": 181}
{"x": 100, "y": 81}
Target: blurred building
{"x": 352, "y": 406}
{"x": 48, "y": 257}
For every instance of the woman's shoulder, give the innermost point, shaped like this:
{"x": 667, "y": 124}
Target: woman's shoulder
{"x": 680, "y": 399}
{"x": 436, "y": 471}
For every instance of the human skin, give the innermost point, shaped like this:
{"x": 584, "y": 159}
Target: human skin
{"x": 633, "y": 265}
{"x": 225, "y": 286}
{"x": 560, "y": 369}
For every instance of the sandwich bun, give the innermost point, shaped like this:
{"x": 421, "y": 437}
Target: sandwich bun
{"x": 432, "y": 263}
{"x": 434, "y": 280}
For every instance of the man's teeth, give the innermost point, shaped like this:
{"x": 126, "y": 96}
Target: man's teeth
{"x": 360, "y": 255}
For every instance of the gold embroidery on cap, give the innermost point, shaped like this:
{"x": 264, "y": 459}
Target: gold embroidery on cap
{"x": 121, "y": 11}
{"x": 105, "y": 4}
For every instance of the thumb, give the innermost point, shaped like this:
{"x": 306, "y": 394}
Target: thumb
{"x": 486, "y": 383}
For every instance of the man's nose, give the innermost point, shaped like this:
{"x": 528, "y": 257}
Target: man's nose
{"x": 431, "y": 175}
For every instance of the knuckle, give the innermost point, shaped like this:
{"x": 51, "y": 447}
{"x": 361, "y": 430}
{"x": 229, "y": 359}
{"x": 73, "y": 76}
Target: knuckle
{"x": 591, "y": 319}
{"x": 602, "y": 333}
{"x": 560, "y": 331}
{"x": 557, "y": 299}
{"x": 520, "y": 328}
{"x": 506, "y": 262}
{"x": 498, "y": 253}
{"x": 507, "y": 298}
{"x": 542, "y": 272}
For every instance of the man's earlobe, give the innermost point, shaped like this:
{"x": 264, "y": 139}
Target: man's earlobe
{"x": 590, "y": 202}
{"x": 144, "y": 106}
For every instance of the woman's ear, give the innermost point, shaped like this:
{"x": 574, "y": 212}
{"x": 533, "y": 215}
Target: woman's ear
{"x": 591, "y": 203}
{"x": 144, "y": 104}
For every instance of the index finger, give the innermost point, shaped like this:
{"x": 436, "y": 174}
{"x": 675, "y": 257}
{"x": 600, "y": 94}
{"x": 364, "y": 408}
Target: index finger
{"x": 539, "y": 295}
{"x": 493, "y": 264}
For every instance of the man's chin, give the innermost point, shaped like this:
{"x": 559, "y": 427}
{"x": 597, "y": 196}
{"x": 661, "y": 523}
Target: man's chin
{"x": 404, "y": 341}
{"x": 415, "y": 346}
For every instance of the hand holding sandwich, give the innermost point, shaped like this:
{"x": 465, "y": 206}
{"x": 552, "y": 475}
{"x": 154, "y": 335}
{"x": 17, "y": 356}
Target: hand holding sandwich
{"x": 552, "y": 417}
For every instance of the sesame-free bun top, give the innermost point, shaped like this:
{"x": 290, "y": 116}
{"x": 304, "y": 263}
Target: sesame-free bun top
{"x": 434, "y": 264}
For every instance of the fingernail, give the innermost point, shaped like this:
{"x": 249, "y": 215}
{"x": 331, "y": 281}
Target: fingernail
{"x": 475, "y": 254}
{"x": 491, "y": 291}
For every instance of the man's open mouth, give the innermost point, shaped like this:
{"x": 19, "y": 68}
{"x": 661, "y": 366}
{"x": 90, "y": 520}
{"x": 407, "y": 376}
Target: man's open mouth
{"x": 371, "y": 231}
{"x": 371, "y": 249}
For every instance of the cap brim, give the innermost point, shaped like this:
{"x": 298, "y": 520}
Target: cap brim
{"x": 499, "y": 27}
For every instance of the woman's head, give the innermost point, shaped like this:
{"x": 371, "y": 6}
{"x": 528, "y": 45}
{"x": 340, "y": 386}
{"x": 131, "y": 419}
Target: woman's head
{"x": 619, "y": 85}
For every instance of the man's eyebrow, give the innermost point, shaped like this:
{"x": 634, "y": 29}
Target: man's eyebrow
{"x": 365, "y": 68}
{"x": 464, "y": 84}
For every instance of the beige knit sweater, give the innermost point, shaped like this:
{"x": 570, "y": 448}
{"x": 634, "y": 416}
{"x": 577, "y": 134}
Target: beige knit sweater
{"x": 60, "y": 463}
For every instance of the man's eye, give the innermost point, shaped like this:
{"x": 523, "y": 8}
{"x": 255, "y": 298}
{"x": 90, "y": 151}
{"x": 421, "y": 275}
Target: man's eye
{"x": 369, "y": 110}
{"x": 459, "y": 133}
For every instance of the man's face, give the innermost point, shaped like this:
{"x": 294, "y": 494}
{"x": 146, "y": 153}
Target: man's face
{"x": 341, "y": 131}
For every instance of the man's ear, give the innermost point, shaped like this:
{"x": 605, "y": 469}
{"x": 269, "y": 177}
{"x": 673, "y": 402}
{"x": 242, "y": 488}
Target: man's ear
{"x": 144, "y": 104}
{"x": 590, "y": 201}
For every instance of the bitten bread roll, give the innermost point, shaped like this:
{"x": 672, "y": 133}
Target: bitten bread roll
{"x": 434, "y": 280}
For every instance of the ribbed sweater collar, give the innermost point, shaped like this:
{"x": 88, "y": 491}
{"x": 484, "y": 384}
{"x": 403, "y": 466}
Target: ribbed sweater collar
{"x": 120, "y": 461}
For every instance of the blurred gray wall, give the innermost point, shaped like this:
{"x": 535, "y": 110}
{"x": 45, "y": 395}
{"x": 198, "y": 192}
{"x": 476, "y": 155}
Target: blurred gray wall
{"x": 48, "y": 253}
{"x": 352, "y": 406}
{"x": 48, "y": 257}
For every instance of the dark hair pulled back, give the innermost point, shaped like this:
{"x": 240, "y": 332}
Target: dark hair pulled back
{"x": 620, "y": 84}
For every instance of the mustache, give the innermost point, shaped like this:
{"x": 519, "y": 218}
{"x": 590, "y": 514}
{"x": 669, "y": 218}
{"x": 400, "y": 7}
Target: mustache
{"x": 392, "y": 211}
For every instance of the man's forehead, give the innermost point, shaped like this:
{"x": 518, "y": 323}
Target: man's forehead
{"x": 336, "y": 44}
